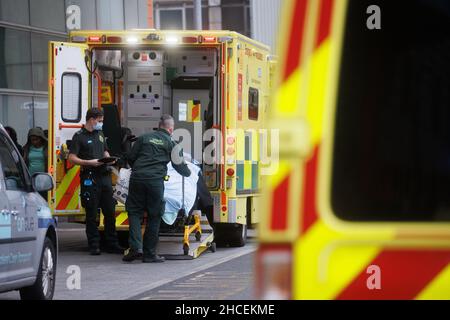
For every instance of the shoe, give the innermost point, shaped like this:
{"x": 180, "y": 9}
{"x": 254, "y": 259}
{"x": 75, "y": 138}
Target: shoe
{"x": 94, "y": 251}
{"x": 131, "y": 255}
{"x": 114, "y": 249}
{"x": 153, "y": 259}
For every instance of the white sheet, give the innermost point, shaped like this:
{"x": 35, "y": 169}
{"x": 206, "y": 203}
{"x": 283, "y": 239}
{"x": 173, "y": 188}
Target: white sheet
{"x": 173, "y": 192}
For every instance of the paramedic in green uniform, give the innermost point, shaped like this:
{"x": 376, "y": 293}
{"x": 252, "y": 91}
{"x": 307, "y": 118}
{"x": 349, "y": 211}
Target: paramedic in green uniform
{"x": 149, "y": 157}
{"x": 87, "y": 147}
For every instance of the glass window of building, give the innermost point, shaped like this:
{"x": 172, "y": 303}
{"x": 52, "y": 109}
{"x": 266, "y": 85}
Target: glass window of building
{"x": 17, "y": 112}
{"x": 39, "y": 14}
{"x": 15, "y": 11}
{"x": 234, "y": 18}
{"x": 190, "y": 25}
{"x": 40, "y": 112}
{"x": 39, "y": 55}
{"x": 171, "y": 19}
{"x": 15, "y": 62}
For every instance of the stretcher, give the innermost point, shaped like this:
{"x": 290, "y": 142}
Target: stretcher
{"x": 190, "y": 222}
{"x": 180, "y": 218}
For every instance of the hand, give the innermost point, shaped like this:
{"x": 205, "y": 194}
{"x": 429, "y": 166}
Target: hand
{"x": 93, "y": 163}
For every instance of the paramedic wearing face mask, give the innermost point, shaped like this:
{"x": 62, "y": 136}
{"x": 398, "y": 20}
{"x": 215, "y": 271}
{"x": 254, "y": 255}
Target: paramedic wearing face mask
{"x": 149, "y": 157}
{"x": 87, "y": 147}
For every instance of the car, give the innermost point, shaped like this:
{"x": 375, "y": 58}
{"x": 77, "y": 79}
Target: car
{"x": 28, "y": 234}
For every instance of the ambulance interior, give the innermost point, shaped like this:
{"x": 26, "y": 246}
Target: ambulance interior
{"x": 139, "y": 85}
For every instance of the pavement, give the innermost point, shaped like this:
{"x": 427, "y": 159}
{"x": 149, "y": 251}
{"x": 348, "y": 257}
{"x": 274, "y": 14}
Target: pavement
{"x": 232, "y": 280}
{"x": 106, "y": 277}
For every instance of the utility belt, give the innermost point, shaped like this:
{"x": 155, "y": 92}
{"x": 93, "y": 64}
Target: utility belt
{"x": 88, "y": 181}
{"x": 95, "y": 172}
{"x": 91, "y": 180}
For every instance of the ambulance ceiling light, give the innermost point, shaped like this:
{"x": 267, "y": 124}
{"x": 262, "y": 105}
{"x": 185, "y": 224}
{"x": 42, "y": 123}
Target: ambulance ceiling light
{"x": 172, "y": 40}
{"x": 132, "y": 40}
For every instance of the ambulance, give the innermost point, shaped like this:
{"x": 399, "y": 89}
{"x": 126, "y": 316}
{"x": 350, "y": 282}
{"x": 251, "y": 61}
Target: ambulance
{"x": 216, "y": 85}
{"x": 359, "y": 206}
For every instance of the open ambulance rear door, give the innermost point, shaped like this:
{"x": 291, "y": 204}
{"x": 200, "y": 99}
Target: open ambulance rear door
{"x": 68, "y": 103}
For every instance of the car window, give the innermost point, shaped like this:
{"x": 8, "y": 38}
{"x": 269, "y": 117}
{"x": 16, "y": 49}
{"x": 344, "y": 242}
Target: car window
{"x": 10, "y": 165}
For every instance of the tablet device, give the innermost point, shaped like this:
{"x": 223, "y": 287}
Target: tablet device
{"x": 108, "y": 159}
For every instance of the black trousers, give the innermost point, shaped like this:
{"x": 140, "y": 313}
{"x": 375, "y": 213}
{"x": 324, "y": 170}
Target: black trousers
{"x": 205, "y": 202}
{"x": 145, "y": 196}
{"x": 97, "y": 193}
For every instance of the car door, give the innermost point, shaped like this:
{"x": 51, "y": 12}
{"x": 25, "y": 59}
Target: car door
{"x": 5, "y": 232}
{"x": 23, "y": 224}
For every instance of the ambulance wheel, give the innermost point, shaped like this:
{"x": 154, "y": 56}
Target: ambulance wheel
{"x": 198, "y": 236}
{"x": 185, "y": 249}
{"x": 238, "y": 236}
{"x": 213, "y": 247}
{"x": 230, "y": 234}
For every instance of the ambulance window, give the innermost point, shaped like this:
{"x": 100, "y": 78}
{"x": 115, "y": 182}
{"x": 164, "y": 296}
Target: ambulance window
{"x": 248, "y": 146}
{"x": 182, "y": 111}
{"x": 71, "y": 97}
{"x": 253, "y": 104}
{"x": 391, "y": 157}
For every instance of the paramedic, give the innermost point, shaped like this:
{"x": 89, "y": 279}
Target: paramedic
{"x": 149, "y": 157}
{"x": 87, "y": 147}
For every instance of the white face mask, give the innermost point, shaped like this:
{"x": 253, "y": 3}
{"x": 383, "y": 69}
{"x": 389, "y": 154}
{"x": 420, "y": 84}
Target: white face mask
{"x": 98, "y": 126}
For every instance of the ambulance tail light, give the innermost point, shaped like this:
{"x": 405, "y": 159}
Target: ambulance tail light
{"x": 209, "y": 39}
{"x": 230, "y": 172}
{"x": 274, "y": 272}
{"x": 190, "y": 39}
{"x": 114, "y": 39}
{"x": 95, "y": 39}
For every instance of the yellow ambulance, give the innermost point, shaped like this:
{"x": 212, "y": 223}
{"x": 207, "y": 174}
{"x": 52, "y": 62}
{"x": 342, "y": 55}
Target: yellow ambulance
{"x": 214, "y": 83}
{"x": 359, "y": 207}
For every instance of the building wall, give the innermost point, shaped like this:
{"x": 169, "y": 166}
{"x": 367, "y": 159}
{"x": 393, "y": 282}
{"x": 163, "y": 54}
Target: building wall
{"x": 26, "y": 26}
{"x": 265, "y": 16}
{"x": 257, "y": 19}
{"x": 231, "y": 15}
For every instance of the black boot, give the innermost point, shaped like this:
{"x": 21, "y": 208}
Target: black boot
{"x": 114, "y": 248}
{"x": 153, "y": 259}
{"x": 131, "y": 255}
{"x": 94, "y": 251}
